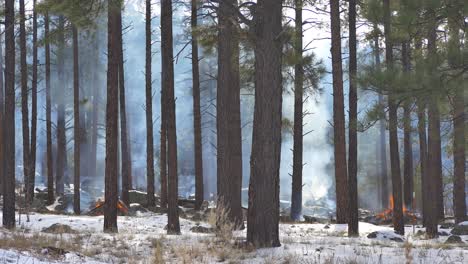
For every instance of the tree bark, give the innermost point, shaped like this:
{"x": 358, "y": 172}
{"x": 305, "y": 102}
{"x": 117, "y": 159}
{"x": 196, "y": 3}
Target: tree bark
{"x": 61, "y": 135}
{"x": 125, "y": 150}
{"x": 423, "y": 160}
{"x": 353, "y": 221}
{"x": 228, "y": 121}
{"x": 196, "y": 110}
{"x": 459, "y": 119}
{"x": 9, "y": 128}
{"x": 382, "y": 150}
{"x": 296, "y": 192}
{"x": 76, "y": 125}
{"x": 2, "y": 118}
{"x": 263, "y": 211}
{"x": 408, "y": 147}
{"x": 111, "y": 178}
{"x": 24, "y": 105}
{"x": 50, "y": 163}
{"x": 341, "y": 176}
{"x": 33, "y": 146}
{"x": 433, "y": 159}
{"x": 173, "y": 226}
{"x": 398, "y": 223}
{"x": 149, "y": 116}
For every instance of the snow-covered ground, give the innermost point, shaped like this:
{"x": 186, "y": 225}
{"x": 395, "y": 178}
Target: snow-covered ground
{"x": 142, "y": 239}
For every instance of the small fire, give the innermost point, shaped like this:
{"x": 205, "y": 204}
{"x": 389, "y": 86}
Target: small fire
{"x": 120, "y": 206}
{"x": 387, "y": 214}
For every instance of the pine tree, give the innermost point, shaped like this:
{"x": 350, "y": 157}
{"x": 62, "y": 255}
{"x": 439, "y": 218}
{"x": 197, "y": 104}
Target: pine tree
{"x": 263, "y": 211}
{"x": 111, "y": 176}
{"x": 228, "y": 122}
{"x": 50, "y": 165}
{"x": 9, "y": 121}
{"x": 341, "y": 176}
{"x": 173, "y": 226}
{"x": 76, "y": 126}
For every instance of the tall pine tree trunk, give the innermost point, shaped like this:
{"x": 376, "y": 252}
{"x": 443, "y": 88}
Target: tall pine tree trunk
{"x": 2, "y": 118}
{"x": 95, "y": 115}
{"x": 263, "y": 211}
{"x": 125, "y": 150}
{"x": 61, "y": 135}
{"x": 33, "y": 147}
{"x": 229, "y": 144}
{"x": 407, "y": 128}
{"x": 398, "y": 223}
{"x": 353, "y": 221}
{"x": 341, "y": 176}
{"x": 24, "y": 104}
{"x": 433, "y": 142}
{"x": 423, "y": 160}
{"x": 382, "y": 149}
{"x": 50, "y": 162}
{"x": 459, "y": 119}
{"x": 197, "y": 130}
{"x": 296, "y": 192}
{"x": 9, "y": 121}
{"x": 112, "y": 108}
{"x": 173, "y": 226}
{"x": 76, "y": 125}
{"x": 149, "y": 115}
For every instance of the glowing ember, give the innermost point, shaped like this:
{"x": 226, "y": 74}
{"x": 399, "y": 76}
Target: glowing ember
{"x": 100, "y": 204}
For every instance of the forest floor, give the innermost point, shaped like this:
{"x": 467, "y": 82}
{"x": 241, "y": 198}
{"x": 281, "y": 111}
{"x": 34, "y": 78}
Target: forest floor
{"x": 142, "y": 239}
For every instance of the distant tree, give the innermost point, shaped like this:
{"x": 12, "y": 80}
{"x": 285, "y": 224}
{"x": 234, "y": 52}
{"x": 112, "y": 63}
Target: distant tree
{"x": 24, "y": 104}
{"x": 196, "y": 109}
{"x": 149, "y": 117}
{"x": 398, "y": 223}
{"x": 33, "y": 146}
{"x": 125, "y": 149}
{"x": 173, "y": 226}
{"x": 61, "y": 158}
{"x": 407, "y": 139}
{"x": 50, "y": 164}
{"x": 76, "y": 126}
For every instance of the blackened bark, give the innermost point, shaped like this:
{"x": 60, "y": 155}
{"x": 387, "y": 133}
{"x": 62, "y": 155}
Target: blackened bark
{"x": 50, "y": 163}
{"x": 407, "y": 139}
{"x": 149, "y": 115}
{"x": 341, "y": 176}
{"x": 111, "y": 178}
{"x": 173, "y": 226}
{"x": 197, "y": 131}
{"x": 382, "y": 150}
{"x": 296, "y": 192}
{"x": 24, "y": 104}
{"x": 398, "y": 223}
{"x": 228, "y": 122}
{"x": 353, "y": 221}
{"x": 263, "y": 211}
{"x": 125, "y": 150}
{"x": 61, "y": 135}
{"x": 9, "y": 128}
{"x": 76, "y": 125}
{"x": 33, "y": 147}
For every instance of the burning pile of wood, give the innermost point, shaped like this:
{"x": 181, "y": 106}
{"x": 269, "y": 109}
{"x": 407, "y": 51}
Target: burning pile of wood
{"x": 386, "y": 216}
{"x": 99, "y": 208}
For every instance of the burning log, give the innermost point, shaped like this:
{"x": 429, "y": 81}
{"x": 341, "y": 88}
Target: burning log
{"x": 99, "y": 208}
{"x": 387, "y": 215}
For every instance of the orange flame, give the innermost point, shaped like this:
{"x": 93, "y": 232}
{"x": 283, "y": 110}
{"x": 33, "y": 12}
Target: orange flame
{"x": 388, "y": 213}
